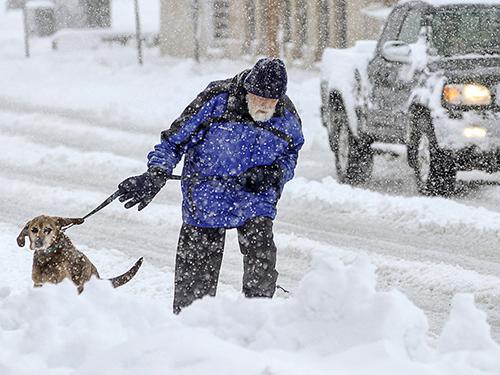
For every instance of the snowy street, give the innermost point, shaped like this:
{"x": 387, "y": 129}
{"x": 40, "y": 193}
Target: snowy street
{"x": 74, "y": 123}
{"x": 82, "y": 160}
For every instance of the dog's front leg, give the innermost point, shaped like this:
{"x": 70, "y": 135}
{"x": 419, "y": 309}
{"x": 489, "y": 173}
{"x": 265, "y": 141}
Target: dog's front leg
{"x": 36, "y": 276}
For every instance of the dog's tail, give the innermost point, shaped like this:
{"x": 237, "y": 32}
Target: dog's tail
{"x": 127, "y": 276}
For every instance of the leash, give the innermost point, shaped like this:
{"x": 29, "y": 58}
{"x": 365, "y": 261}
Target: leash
{"x": 283, "y": 289}
{"x": 115, "y": 195}
{"x": 110, "y": 199}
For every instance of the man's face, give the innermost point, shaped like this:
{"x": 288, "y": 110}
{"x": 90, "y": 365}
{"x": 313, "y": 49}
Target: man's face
{"x": 261, "y": 109}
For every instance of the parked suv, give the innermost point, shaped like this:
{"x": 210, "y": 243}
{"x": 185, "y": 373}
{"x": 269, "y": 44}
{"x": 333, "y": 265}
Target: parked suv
{"x": 430, "y": 83}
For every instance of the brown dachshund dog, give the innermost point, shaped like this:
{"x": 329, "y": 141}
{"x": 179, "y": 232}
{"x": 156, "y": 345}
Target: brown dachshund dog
{"x": 56, "y": 258}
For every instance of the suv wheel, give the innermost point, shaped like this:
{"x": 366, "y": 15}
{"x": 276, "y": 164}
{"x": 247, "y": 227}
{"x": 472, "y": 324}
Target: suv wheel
{"x": 353, "y": 156}
{"x": 435, "y": 171}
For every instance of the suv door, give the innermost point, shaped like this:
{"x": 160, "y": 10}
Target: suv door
{"x": 391, "y": 85}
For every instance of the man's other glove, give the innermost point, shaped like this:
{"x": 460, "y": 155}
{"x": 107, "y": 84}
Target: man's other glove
{"x": 143, "y": 188}
{"x": 260, "y": 178}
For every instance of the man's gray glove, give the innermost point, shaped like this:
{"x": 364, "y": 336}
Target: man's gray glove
{"x": 143, "y": 188}
{"x": 260, "y": 178}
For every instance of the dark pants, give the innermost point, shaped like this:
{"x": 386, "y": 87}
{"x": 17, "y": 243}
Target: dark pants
{"x": 199, "y": 258}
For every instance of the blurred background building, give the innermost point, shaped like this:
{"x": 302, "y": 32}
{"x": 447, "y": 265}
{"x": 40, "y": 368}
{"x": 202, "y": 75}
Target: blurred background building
{"x": 45, "y": 17}
{"x": 298, "y": 30}
{"x": 82, "y": 13}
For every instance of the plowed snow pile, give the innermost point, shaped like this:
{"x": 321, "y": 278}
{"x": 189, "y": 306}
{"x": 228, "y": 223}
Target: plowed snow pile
{"x": 335, "y": 323}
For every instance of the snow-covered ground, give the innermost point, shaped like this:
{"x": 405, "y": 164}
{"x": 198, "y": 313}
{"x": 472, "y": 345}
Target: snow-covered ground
{"x": 376, "y": 274}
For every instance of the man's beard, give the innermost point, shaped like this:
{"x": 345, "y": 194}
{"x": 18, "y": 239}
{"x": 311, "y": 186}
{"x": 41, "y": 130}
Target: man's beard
{"x": 261, "y": 116}
{"x": 258, "y": 114}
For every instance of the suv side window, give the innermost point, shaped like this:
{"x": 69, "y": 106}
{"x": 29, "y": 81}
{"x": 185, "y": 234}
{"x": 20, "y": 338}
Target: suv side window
{"x": 392, "y": 26}
{"x": 411, "y": 27}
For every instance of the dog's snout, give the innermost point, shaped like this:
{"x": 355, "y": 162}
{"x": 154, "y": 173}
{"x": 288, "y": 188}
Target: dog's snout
{"x": 38, "y": 242}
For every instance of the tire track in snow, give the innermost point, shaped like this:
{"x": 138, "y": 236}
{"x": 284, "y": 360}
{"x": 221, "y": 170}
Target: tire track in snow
{"x": 85, "y": 116}
{"x": 476, "y": 250}
{"x": 52, "y": 131}
{"x": 95, "y": 170}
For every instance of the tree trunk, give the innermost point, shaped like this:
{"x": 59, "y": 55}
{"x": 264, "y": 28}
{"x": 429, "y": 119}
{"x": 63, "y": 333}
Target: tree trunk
{"x": 300, "y": 15}
{"x": 272, "y": 10}
{"x": 250, "y": 27}
{"x": 324, "y": 28}
{"x": 341, "y": 17}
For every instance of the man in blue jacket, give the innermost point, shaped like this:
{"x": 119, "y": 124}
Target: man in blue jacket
{"x": 240, "y": 138}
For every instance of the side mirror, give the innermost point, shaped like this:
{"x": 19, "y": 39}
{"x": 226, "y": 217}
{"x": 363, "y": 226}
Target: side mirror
{"x": 397, "y": 51}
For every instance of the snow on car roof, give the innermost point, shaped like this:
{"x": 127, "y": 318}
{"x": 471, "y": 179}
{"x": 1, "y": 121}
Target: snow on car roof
{"x": 439, "y": 3}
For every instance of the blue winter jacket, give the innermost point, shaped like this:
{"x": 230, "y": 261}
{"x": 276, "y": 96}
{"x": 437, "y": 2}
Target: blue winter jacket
{"x": 220, "y": 141}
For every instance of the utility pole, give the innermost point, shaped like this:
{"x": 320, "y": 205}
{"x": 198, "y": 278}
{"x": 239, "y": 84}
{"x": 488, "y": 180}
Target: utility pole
{"x": 196, "y": 18}
{"x": 138, "y": 32}
{"x": 26, "y": 31}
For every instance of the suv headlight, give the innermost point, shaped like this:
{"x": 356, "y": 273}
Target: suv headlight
{"x": 468, "y": 94}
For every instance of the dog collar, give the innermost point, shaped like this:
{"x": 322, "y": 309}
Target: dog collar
{"x": 57, "y": 246}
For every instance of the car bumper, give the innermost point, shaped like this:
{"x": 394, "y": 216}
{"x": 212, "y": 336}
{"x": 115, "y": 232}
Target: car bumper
{"x": 471, "y": 130}
{"x": 473, "y": 158}
{"x": 473, "y": 140}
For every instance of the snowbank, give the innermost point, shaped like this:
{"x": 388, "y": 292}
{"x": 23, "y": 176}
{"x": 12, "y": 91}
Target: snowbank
{"x": 434, "y": 214}
{"x": 335, "y": 318}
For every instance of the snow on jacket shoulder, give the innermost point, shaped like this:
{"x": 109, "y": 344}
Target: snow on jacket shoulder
{"x": 220, "y": 141}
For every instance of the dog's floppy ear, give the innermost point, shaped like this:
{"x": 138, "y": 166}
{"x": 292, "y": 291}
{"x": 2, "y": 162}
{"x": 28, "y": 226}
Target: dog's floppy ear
{"x": 65, "y": 221}
{"x": 22, "y": 236}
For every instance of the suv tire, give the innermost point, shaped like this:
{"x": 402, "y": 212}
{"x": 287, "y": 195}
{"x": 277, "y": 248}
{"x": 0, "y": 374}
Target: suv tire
{"x": 353, "y": 156}
{"x": 435, "y": 171}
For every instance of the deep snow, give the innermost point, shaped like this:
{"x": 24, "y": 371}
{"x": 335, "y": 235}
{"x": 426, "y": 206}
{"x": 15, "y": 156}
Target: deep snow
{"x": 73, "y": 123}
{"x": 335, "y": 317}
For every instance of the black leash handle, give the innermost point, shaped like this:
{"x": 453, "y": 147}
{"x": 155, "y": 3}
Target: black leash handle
{"x": 110, "y": 199}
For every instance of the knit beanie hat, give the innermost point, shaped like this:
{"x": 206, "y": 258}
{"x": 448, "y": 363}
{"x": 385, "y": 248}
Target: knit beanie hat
{"x": 267, "y": 78}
